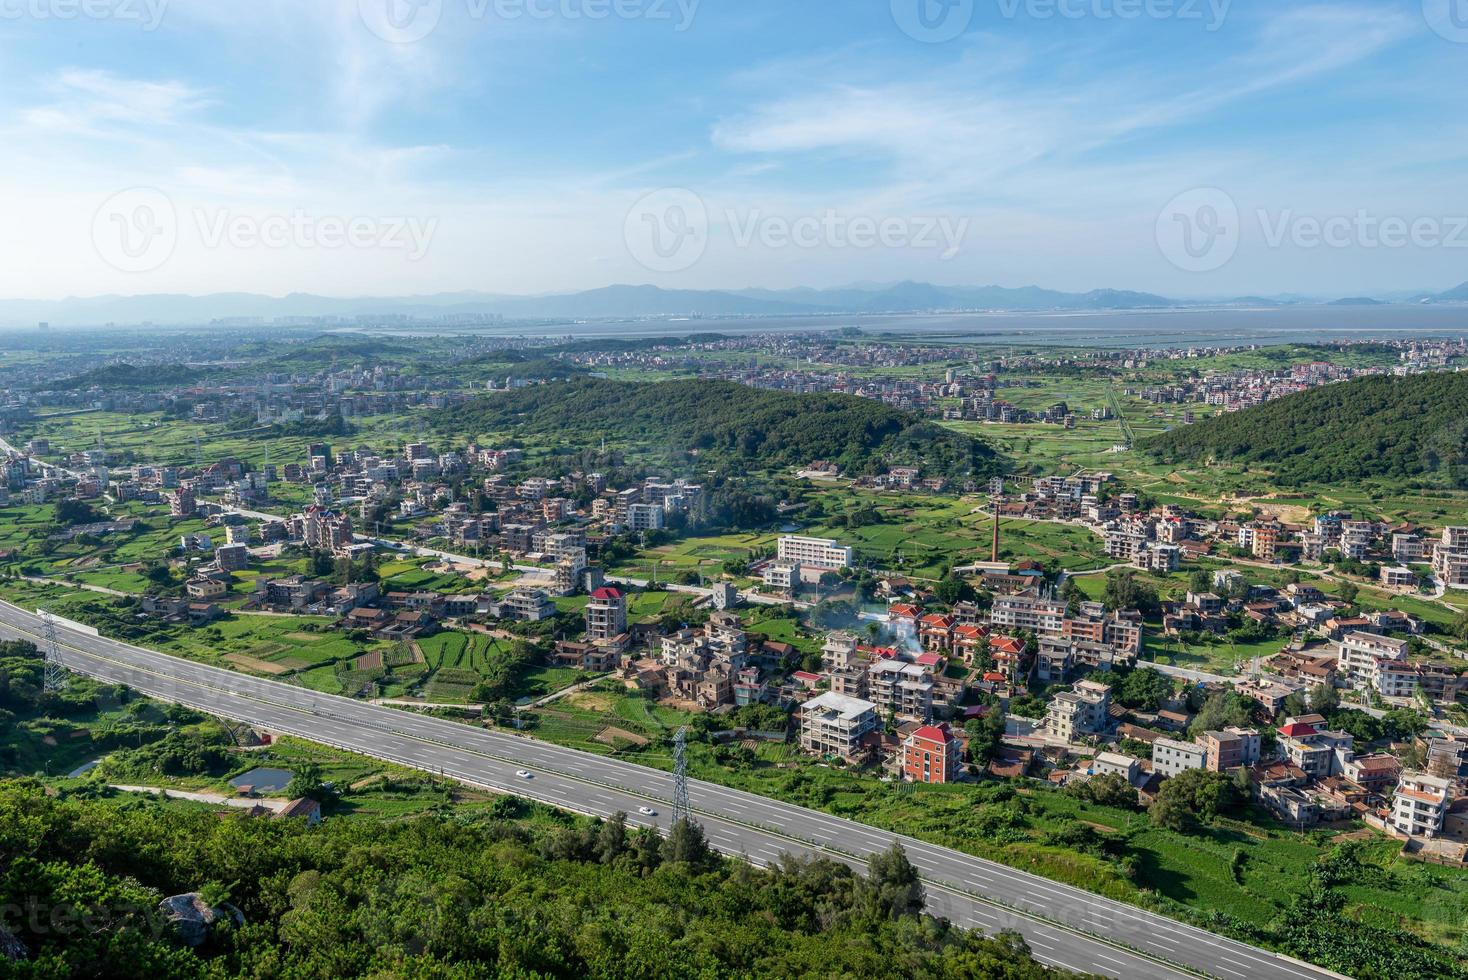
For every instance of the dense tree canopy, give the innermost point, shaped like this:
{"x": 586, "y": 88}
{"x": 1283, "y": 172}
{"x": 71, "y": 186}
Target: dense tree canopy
{"x": 1390, "y": 428}
{"x": 728, "y": 422}
{"x": 450, "y": 898}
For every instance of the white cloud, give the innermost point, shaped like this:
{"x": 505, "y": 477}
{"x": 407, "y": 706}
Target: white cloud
{"x": 100, "y": 103}
{"x": 1057, "y": 176}
{"x": 959, "y": 129}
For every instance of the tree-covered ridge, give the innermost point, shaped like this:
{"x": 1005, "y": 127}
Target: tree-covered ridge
{"x": 448, "y": 897}
{"x": 727, "y": 422}
{"x": 125, "y": 375}
{"x": 1413, "y": 428}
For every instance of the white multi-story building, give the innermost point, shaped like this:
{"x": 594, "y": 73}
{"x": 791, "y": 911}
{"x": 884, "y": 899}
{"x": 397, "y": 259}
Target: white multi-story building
{"x": 606, "y": 615}
{"x": 815, "y": 552}
{"x": 530, "y": 605}
{"x": 1170, "y": 756}
{"x": 1361, "y": 655}
{"x": 782, "y": 575}
{"x": 841, "y": 652}
{"x": 1082, "y": 711}
{"x": 905, "y": 689}
{"x": 1450, "y": 558}
{"x": 644, "y": 517}
{"x": 1398, "y": 577}
{"x": 1125, "y": 544}
{"x": 835, "y": 724}
{"x": 1161, "y": 558}
{"x": 1420, "y": 804}
{"x": 1028, "y": 611}
{"x": 1408, "y": 548}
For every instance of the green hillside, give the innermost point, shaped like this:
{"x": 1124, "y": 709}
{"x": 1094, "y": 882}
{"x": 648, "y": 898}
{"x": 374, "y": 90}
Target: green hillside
{"x": 518, "y": 893}
{"x": 725, "y": 422}
{"x": 1402, "y": 429}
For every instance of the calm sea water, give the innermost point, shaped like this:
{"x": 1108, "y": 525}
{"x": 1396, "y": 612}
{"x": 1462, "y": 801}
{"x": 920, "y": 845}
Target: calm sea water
{"x": 1131, "y": 328}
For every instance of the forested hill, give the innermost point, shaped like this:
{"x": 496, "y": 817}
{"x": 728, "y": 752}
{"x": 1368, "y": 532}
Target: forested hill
{"x": 518, "y": 892}
{"x": 1413, "y": 428}
{"x": 728, "y": 423}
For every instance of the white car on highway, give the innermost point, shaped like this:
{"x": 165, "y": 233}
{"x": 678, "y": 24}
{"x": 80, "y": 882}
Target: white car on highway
{"x": 647, "y": 811}
{"x": 524, "y": 774}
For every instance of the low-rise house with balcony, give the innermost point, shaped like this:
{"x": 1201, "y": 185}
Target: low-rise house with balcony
{"x": 1420, "y": 805}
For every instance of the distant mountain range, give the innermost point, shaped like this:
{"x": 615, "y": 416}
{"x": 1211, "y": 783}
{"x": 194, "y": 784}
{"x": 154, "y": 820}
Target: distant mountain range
{"x": 633, "y": 302}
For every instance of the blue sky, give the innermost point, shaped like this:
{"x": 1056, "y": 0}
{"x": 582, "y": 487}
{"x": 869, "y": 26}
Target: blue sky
{"x": 509, "y": 148}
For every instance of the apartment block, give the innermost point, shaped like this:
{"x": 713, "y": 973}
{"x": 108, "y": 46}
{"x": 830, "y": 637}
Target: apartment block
{"x": 1029, "y": 611}
{"x": 835, "y": 724}
{"x": 1231, "y": 748}
{"x": 1085, "y": 710}
{"x": 1450, "y": 558}
{"x": 1170, "y": 756}
{"x": 782, "y": 575}
{"x": 815, "y": 552}
{"x": 232, "y": 557}
{"x": 904, "y": 689}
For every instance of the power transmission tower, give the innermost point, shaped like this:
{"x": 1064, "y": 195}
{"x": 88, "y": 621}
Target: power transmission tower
{"x": 54, "y": 678}
{"x": 681, "y": 808}
{"x": 996, "y": 497}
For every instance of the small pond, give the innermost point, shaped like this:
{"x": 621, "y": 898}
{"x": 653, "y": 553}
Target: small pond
{"x": 264, "y": 780}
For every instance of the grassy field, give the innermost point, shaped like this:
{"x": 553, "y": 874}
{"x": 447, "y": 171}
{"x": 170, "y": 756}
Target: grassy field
{"x": 703, "y": 553}
{"x": 920, "y": 535}
{"x": 156, "y": 439}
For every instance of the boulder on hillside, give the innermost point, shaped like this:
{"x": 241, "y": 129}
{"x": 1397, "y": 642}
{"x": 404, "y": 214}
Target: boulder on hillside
{"x": 191, "y": 918}
{"x": 12, "y": 948}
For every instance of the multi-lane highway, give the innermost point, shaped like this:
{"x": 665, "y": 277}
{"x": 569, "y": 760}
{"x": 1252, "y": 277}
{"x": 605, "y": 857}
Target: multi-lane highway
{"x": 1065, "y": 926}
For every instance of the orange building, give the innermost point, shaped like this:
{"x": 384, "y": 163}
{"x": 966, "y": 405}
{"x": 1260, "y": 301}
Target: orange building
{"x": 931, "y": 754}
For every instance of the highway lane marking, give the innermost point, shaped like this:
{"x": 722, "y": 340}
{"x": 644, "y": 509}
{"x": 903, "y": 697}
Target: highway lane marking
{"x": 870, "y": 836}
{"x": 815, "y": 817}
{"x": 203, "y": 685}
{"x": 811, "y": 845}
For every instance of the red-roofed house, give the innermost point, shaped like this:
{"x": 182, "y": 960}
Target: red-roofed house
{"x": 1297, "y": 730}
{"x": 1009, "y": 654}
{"x": 899, "y": 611}
{"x": 932, "y": 660}
{"x": 879, "y": 653}
{"x": 931, "y": 754}
{"x": 968, "y": 640}
{"x": 807, "y": 679}
{"x": 606, "y": 616}
{"x": 936, "y": 631}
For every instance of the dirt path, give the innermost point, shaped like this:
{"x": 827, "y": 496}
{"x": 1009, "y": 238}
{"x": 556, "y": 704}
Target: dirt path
{"x": 215, "y": 798}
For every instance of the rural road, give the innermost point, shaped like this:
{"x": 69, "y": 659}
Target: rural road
{"x": 1066, "y": 927}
